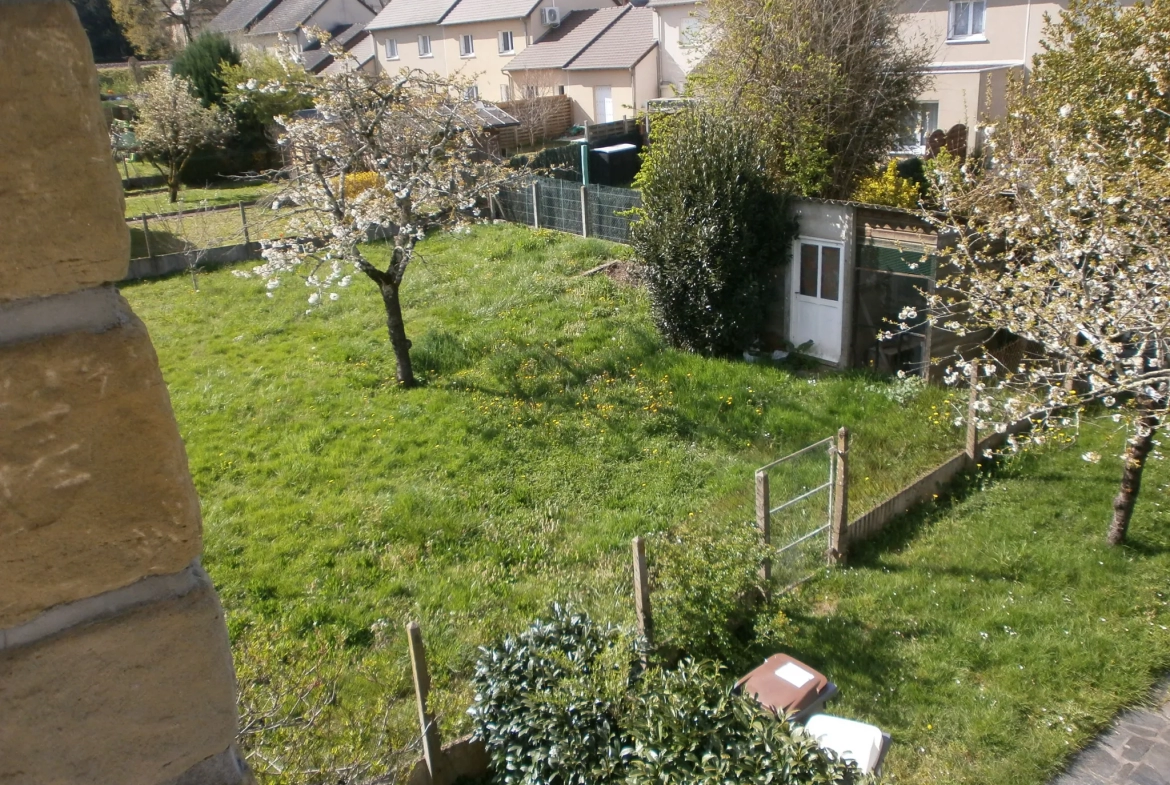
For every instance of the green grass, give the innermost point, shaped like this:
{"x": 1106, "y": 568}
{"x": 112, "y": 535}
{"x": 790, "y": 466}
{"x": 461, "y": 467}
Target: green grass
{"x": 552, "y": 427}
{"x": 158, "y": 202}
{"x": 118, "y": 81}
{"x": 995, "y": 635}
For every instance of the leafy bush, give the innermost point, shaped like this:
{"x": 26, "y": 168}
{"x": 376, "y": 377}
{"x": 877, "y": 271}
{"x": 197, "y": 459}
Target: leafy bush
{"x": 201, "y": 63}
{"x": 548, "y": 701}
{"x": 566, "y": 703}
{"x": 706, "y": 579}
{"x": 887, "y": 187}
{"x": 359, "y": 182}
{"x": 687, "y": 726}
{"x": 711, "y": 232}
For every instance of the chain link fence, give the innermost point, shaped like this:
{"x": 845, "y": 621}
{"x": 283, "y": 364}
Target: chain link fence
{"x": 588, "y": 210}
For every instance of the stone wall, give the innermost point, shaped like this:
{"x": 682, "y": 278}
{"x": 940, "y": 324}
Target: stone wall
{"x": 114, "y": 658}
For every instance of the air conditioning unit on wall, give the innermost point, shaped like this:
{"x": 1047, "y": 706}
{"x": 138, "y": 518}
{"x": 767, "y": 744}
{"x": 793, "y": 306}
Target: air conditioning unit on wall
{"x": 550, "y": 17}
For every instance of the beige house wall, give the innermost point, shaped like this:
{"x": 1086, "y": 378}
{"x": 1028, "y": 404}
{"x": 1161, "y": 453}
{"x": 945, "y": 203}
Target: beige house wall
{"x": 971, "y": 74}
{"x": 408, "y": 56}
{"x": 579, "y": 86}
{"x": 676, "y": 57}
{"x": 486, "y": 64}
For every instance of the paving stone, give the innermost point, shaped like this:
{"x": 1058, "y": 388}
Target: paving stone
{"x": 1145, "y": 775}
{"x": 1136, "y": 748}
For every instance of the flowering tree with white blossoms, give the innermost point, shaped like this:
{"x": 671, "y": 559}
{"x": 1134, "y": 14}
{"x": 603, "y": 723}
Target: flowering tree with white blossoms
{"x": 1065, "y": 242}
{"x": 380, "y": 155}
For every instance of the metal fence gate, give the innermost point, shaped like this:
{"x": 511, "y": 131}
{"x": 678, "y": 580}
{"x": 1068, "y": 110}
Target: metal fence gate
{"x": 801, "y": 524}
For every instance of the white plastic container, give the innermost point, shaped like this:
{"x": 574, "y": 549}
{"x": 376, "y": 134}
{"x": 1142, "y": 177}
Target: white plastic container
{"x": 863, "y": 744}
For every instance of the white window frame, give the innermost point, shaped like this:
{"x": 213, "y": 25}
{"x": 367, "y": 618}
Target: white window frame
{"x": 467, "y": 45}
{"x": 921, "y": 108}
{"x": 505, "y": 92}
{"x": 472, "y": 93}
{"x": 427, "y": 50}
{"x": 388, "y": 46}
{"x": 689, "y": 32}
{"x": 511, "y": 40}
{"x": 974, "y": 14}
{"x": 821, "y": 244}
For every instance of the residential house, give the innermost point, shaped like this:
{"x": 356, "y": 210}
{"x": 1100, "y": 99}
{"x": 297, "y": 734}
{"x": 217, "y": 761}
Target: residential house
{"x": 682, "y": 42}
{"x": 603, "y": 59}
{"x": 263, "y": 23}
{"x": 473, "y": 39}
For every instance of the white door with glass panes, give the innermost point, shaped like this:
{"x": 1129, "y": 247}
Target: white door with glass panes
{"x": 817, "y": 276}
{"x": 603, "y": 98}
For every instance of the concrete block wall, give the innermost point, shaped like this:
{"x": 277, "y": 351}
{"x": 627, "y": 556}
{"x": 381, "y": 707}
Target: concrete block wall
{"x": 114, "y": 659}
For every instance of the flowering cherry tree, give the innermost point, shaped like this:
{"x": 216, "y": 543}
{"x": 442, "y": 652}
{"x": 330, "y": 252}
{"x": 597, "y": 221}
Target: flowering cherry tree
{"x": 378, "y": 156}
{"x": 1065, "y": 242}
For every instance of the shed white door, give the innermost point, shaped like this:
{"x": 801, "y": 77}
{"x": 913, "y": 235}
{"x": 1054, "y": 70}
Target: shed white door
{"x": 816, "y": 297}
{"x": 603, "y": 100}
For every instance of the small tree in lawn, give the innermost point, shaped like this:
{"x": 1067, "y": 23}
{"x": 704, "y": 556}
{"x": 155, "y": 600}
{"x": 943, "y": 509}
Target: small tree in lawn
{"x": 1066, "y": 242}
{"x": 396, "y": 154}
{"x": 172, "y": 125}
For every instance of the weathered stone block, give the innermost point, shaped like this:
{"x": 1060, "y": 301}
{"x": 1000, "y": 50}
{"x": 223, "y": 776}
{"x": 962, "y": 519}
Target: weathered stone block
{"x": 61, "y": 205}
{"x": 135, "y": 700}
{"x": 95, "y": 492}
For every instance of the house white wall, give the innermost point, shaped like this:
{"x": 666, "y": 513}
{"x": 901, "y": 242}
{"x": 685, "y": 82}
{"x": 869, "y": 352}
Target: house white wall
{"x": 836, "y": 223}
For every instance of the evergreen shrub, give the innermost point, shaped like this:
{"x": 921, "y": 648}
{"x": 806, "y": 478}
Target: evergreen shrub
{"x": 713, "y": 232}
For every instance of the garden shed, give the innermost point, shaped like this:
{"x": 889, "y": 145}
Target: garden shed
{"x": 852, "y": 269}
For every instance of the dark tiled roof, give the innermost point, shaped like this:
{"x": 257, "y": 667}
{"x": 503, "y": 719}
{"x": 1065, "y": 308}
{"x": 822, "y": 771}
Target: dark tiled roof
{"x": 558, "y": 47}
{"x": 622, "y": 45}
{"x": 468, "y": 11}
{"x": 408, "y": 13}
{"x": 240, "y": 15}
{"x": 287, "y": 16}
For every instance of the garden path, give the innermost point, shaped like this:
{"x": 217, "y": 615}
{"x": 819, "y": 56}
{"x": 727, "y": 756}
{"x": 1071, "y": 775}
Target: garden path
{"x": 1134, "y": 751}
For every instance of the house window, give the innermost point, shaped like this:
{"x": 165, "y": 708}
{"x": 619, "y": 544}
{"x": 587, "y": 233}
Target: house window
{"x": 530, "y": 91}
{"x": 466, "y": 46}
{"x": 391, "y": 49}
{"x": 424, "y": 46}
{"x": 820, "y": 271}
{"x": 507, "y": 45}
{"x": 689, "y": 33}
{"x": 472, "y": 93}
{"x": 505, "y": 92}
{"x": 560, "y": 89}
{"x": 918, "y": 125}
{"x": 966, "y": 19}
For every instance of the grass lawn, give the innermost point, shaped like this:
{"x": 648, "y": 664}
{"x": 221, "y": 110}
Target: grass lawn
{"x": 552, "y": 427}
{"x": 158, "y": 202}
{"x": 205, "y": 229}
{"x": 997, "y": 634}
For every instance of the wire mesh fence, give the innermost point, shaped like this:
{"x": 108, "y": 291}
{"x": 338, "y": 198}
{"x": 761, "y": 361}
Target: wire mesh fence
{"x": 195, "y": 230}
{"x": 592, "y": 210}
{"x": 799, "y": 502}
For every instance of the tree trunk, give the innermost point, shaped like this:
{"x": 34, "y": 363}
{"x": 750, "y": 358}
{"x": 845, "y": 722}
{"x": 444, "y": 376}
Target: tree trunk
{"x": 173, "y": 186}
{"x": 1137, "y": 450}
{"x": 397, "y": 329}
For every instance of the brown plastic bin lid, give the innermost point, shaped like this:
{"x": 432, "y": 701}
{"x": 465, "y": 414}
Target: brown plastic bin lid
{"x": 783, "y": 684}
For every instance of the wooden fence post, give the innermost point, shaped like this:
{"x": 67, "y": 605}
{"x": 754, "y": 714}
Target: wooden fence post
{"x": 584, "y": 211}
{"x": 146, "y": 236}
{"x": 422, "y": 687}
{"x": 839, "y": 521}
{"x": 972, "y": 415}
{"x": 536, "y": 205}
{"x": 642, "y": 592}
{"x": 764, "y": 522}
{"x": 244, "y": 222}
